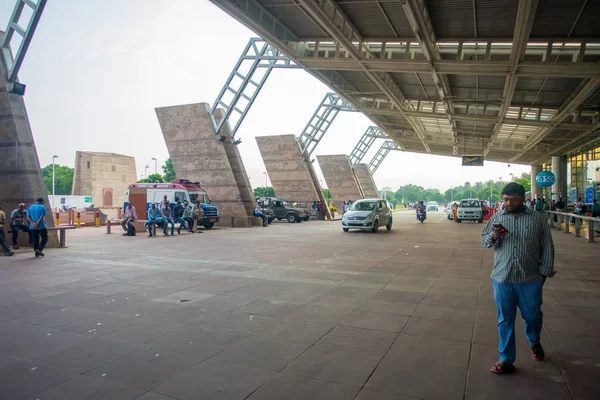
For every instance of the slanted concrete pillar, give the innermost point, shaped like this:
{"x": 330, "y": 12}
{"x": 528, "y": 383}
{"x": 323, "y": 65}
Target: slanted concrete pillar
{"x": 365, "y": 180}
{"x": 559, "y": 169}
{"x": 196, "y": 155}
{"x": 536, "y": 190}
{"x": 20, "y": 173}
{"x": 289, "y": 172}
{"x": 340, "y": 178}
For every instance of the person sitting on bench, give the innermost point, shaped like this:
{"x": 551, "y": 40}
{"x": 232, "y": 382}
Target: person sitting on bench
{"x": 3, "y": 244}
{"x": 258, "y": 213}
{"x": 178, "y": 217}
{"x": 18, "y": 222}
{"x": 154, "y": 217}
{"x": 130, "y": 216}
{"x": 187, "y": 216}
{"x": 166, "y": 215}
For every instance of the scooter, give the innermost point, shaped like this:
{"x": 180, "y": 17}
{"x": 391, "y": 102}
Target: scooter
{"x": 421, "y": 215}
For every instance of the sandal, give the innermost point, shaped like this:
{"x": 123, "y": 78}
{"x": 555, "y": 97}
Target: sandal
{"x": 500, "y": 367}
{"x": 537, "y": 352}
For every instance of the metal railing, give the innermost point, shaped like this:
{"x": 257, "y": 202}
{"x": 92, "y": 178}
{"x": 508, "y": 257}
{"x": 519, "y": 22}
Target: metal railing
{"x": 565, "y": 218}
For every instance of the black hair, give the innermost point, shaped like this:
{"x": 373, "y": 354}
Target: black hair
{"x": 514, "y": 188}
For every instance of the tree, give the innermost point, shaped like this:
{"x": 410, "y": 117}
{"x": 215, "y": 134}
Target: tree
{"x": 168, "y": 171}
{"x": 152, "y": 178}
{"x": 264, "y": 191}
{"x": 326, "y": 194}
{"x": 526, "y": 183}
{"x": 63, "y": 179}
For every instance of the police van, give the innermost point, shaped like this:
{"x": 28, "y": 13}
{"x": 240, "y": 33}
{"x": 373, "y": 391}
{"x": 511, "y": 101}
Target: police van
{"x": 142, "y": 195}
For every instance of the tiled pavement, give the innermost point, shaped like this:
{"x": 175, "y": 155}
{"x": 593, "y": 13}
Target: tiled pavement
{"x": 294, "y": 311}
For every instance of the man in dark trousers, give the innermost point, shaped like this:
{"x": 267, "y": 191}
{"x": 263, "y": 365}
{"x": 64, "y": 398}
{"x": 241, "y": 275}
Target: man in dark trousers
{"x": 36, "y": 215}
{"x": 523, "y": 259}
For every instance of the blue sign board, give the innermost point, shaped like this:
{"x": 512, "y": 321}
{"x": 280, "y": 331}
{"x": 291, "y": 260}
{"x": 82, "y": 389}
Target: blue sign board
{"x": 589, "y": 194}
{"x": 472, "y": 161}
{"x": 545, "y": 179}
{"x": 573, "y": 195}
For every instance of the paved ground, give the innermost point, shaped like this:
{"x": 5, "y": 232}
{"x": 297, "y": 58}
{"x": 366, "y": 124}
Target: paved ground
{"x": 293, "y": 311}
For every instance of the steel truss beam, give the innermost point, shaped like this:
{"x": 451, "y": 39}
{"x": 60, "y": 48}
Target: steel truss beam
{"x": 585, "y": 90}
{"x": 320, "y": 121}
{"x": 422, "y": 26}
{"x": 525, "y": 16}
{"x": 328, "y": 15}
{"x": 364, "y": 144}
{"x": 382, "y": 153}
{"x": 12, "y": 61}
{"x": 245, "y": 82}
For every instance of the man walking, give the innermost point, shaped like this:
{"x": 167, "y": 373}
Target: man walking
{"x": 130, "y": 216}
{"x": 36, "y": 215}
{"x": 523, "y": 259}
{"x": 18, "y": 222}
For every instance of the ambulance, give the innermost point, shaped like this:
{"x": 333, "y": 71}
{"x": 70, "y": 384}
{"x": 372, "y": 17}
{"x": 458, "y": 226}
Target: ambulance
{"x": 142, "y": 195}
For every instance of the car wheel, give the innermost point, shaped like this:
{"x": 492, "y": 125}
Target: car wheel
{"x": 345, "y": 229}
{"x": 458, "y": 221}
{"x": 375, "y": 228}
{"x": 298, "y": 219}
{"x": 305, "y": 218}
{"x": 389, "y": 224}
{"x": 291, "y": 218}
{"x": 209, "y": 225}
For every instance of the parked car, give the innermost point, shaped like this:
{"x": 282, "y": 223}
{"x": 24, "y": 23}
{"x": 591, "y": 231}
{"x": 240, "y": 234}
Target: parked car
{"x": 281, "y": 209}
{"x": 432, "y": 206}
{"x": 368, "y": 214}
{"x": 470, "y": 210}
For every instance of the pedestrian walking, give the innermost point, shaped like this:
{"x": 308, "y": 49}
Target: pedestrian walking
{"x": 523, "y": 259}
{"x": 36, "y": 215}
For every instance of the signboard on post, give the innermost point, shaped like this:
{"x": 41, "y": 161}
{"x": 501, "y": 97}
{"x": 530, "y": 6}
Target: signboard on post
{"x": 472, "y": 161}
{"x": 589, "y": 194}
{"x": 573, "y": 195}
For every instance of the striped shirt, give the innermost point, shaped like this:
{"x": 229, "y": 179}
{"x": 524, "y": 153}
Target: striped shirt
{"x": 526, "y": 252}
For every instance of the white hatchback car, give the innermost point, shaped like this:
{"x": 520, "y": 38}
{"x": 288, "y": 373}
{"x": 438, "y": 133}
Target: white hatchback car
{"x": 368, "y": 214}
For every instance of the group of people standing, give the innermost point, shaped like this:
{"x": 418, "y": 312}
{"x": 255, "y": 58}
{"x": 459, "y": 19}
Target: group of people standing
{"x": 32, "y": 221}
{"x": 161, "y": 214}
{"x": 319, "y": 210}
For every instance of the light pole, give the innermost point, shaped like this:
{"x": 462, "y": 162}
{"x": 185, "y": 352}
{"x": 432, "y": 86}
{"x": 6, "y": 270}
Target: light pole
{"x": 451, "y": 194}
{"x": 146, "y": 171}
{"x": 155, "y": 165}
{"x": 491, "y": 188}
{"x": 53, "y": 200}
{"x": 265, "y": 180}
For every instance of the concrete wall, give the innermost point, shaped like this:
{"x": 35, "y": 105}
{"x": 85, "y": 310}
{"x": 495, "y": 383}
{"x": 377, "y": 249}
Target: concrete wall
{"x": 288, "y": 171}
{"x": 366, "y": 181}
{"x": 340, "y": 178}
{"x": 97, "y": 174}
{"x": 20, "y": 173}
{"x": 196, "y": 155}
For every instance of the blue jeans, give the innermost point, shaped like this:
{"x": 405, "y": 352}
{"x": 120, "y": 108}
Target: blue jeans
{"x": 509, "y": 296}
{"x": 166, "y": 222}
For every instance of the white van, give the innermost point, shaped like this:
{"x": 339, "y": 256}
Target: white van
{"x": 141, "y": 195}
{"x": 470, "y": 210}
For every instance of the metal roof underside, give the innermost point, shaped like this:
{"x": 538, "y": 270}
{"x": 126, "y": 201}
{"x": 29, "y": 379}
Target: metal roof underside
{"x": 515, "y": 80}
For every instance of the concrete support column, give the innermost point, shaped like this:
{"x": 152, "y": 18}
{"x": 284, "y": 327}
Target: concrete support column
{"x": 536, "y": 190}
{"x": 340, "y": 178}
{"x": 559, "y": 169}
{"x": 365, "y": 180}
{"x": 20, "y": 173}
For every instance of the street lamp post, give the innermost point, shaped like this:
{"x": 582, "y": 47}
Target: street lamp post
{"x": 265, "y": 180}
{"x": 451, "y": 194}
{"x": 53, "y": 199}
{"x": 155, "y": 165}
{"x": 146, "y": 171}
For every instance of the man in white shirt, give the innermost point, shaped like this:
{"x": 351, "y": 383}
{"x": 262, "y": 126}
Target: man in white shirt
{"x": 258, "y": 213}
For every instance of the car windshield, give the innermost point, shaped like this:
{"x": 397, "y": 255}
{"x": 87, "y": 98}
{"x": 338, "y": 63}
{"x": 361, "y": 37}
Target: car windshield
{"x": 470, "y": 203}
{"x": 433, "y": 203}
{"x": 364, "y": 206}
{"x": 195, "y": 196}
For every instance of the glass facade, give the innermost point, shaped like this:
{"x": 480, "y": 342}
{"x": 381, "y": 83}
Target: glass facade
{"x": 583, "y": 171}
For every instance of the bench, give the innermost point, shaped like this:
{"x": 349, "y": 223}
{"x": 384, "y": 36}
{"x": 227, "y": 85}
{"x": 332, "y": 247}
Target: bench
{"x": 62, "y": 234}
{"x": 248, "y": 219}
{"x": 139, "y": 225}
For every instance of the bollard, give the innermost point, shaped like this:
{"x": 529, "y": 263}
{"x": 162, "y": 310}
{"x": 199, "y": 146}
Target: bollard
{"x": 78, "y": 223}
{"x": 590, "y": 231}
{"x": 57, "y": 219}
{"x": 108, "y": 225}
{"x": 97, "y": 218}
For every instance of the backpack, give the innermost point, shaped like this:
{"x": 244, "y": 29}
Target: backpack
{"x": 131, "y": 230}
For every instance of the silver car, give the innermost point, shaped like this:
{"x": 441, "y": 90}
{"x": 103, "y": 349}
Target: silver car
{"x": 368, "y": 214}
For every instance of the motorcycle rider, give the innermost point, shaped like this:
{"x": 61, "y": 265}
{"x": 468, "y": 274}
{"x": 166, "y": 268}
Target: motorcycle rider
{"x": 421, "y": 208}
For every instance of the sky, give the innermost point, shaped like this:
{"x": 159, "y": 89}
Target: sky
{"x": 96, "y": 70}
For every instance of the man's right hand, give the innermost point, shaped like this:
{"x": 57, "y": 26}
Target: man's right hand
{"x": 498, "y": 233}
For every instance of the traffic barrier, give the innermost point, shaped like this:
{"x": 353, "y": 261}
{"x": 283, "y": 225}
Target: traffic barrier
{"x": 97, "y": 218}
{"x": 78, "y": 220}
{"x": 57, "y": 220}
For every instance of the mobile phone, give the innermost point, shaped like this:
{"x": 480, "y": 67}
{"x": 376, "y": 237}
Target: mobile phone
{"x": 500, "y": 226}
